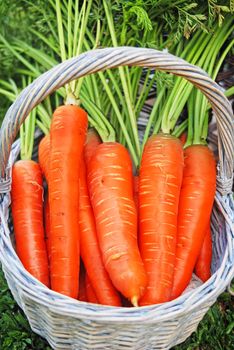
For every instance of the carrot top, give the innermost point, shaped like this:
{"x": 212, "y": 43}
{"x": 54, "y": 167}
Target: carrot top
{"x": 198, "y": 106}
{"x": 27, "y": 130}
{"x": 203, "y": 50}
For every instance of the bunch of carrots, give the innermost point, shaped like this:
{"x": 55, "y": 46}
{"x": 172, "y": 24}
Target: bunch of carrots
{"x": 116, "y": 223}
{"x": 97, "y": 232}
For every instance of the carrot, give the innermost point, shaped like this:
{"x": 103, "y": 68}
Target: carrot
{"x": 90, "y": 293}
{"x": 136, "y": 200}
{"x": 183, "y": 138}
{"x": 90, "y": 251}
{"x": 43, "y": 155}
{"x": 47, "y": 225}
{"x": 203, "y": 264}
{"x": 43, "y": 158}
{"x": 160, "y": 180}
{"x": 67, "y": 138}
{"x": 82, "y": 286}
{"x": 92, "y": 142}
{"x": 111, "y": 192}
{"x": 196, "y": 201}
{"x": 136, "y": 190}
{"x": 27, "y": 213}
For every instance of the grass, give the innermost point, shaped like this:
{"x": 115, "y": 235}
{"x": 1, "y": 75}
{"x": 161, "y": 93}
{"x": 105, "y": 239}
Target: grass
{"x": 15, "y": 332}
{"x": 215, "y": 332}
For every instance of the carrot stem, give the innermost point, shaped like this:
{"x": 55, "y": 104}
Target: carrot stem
{"x": 63, "y": 53}
{"x": 42, "y": 127}
{"x": 49, "y": 106}
{"x": 190, "y": 121}
{"x": 60, "y": 31}
{"x": 198, "y": 104}
{"x": 182, "y": 89}
{"x": 136, "y": 75}
{"x": 152, "y": 117}
{"x": 97, "y": 98}
{"x": 69, "y": 29}
{"x": 148, "y": 83}
{"x": 127, "y": 93}
{"x": 76, "y": 26}
{"x": 32, "y": 123}
{"x": 180, "y": 129}
{"x": 100, "y": 119}
{"x": 209, "y": 65}
{"x": 86, "y": 12}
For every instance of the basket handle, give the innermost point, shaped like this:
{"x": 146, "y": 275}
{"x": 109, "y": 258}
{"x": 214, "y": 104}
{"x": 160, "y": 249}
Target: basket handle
{"x": 101, "y": 59}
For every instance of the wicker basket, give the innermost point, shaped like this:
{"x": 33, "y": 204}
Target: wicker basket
{"x": 70, "y": 324}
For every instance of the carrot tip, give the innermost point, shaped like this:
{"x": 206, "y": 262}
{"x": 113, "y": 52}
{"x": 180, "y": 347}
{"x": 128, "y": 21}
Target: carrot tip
{"x": 134, "y": 301}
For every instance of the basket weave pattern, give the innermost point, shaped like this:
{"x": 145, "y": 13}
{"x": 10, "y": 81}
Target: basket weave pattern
{"x": 70, "y": 324}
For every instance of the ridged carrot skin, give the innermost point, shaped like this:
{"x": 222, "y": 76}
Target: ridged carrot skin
{"x": 47, "y": 225}
{"x": 90, "y": 293}
{"x": 68, "y": 132}
{"x": 136, "y": 190}
{"x": 43, "y": 155}
{"x": 203, "y": 264}
{"x": 160, "y": 181}
{"x": 196, "y": 201}
{"x": 110, "y": 183}
{"x": 136, "y": 200}
{"x": 90, "y": 252}
{"x": 44, "y": 161}
{"x": 91, "y": 144}
{"x": 27, "y": 213}
{"x": 183, "y": 138}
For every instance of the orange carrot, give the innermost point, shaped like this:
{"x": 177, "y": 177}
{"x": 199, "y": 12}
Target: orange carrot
{"x": 47, "y": 225}
{"x": 89, "y": 248}
{"x": 196, "y": 201}
{"x": 91, "y": 144}
{"x": 183, "y": 138}
{"x": 203, "y": 264}
{"x": 90, "y": 293}
{"x": 111, "y": 192}
{"x": 27, "y": 212}
{"x": 43, "y": 158}
{"x": 68, "y": 132}
{"x": 43, "y": 155}
{"x": 160, "y": 180}
{"x": 82, "y": 284}
{"x": 136, "y": 190}
{"x": 136, "y": 200}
